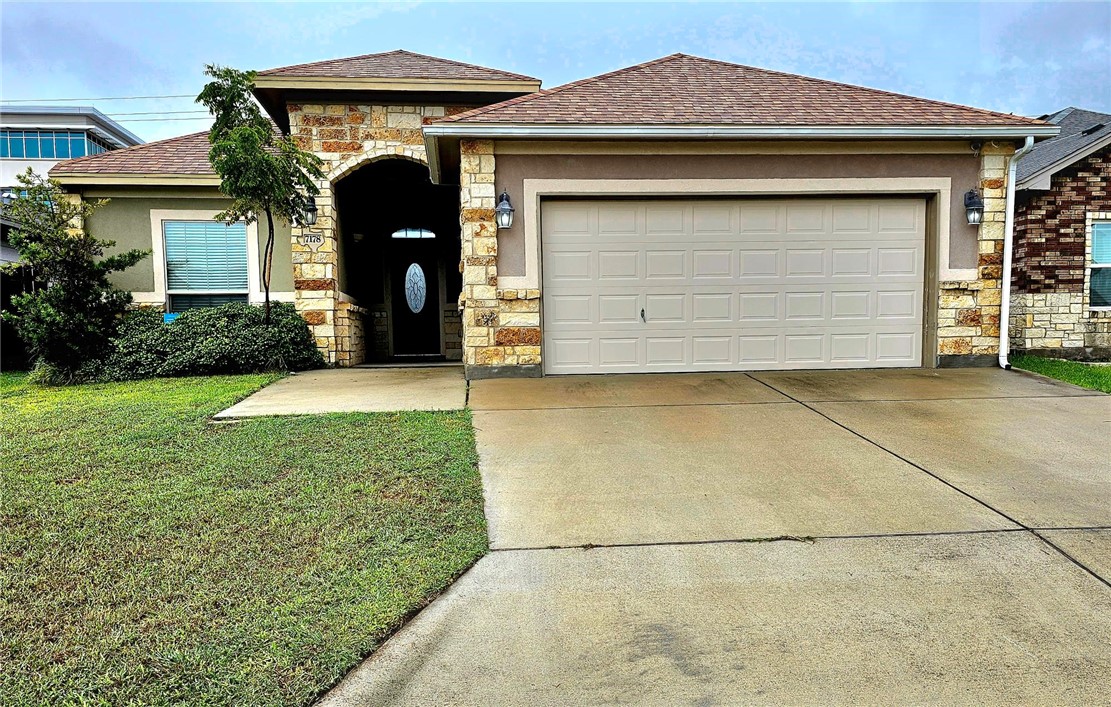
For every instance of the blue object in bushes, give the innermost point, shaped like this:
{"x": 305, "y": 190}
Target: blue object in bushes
{"x": 170, "y": 316}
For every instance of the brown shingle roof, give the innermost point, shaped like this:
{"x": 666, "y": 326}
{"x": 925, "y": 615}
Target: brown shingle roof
{"x": 187, "y": 155}
{"x": 398, "y": 64}
{"x": 689, "y": 90}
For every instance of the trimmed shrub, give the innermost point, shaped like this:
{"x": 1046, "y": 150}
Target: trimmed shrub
{"x": 228, "y": 339}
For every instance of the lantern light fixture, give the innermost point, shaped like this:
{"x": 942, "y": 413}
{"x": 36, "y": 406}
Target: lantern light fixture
{"x": 974, "y": 207}
{"x": 309, "y": 214}
{"x": 503, "y": 213}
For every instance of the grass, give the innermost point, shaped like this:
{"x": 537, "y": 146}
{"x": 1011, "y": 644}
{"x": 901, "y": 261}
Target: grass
{"x": 1083, "y": 374}
{"x": 150, "y": 557}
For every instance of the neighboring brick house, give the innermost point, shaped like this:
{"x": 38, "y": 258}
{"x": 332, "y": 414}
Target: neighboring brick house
{"x": 683, "y": 214}
{"x": 1061, "y": 283}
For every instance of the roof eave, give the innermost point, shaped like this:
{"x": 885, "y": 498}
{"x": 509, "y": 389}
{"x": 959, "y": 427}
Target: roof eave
{"x": 1041, "y": 179}
{"x": 136, "y": 178}
{"x": 525, "y": 130}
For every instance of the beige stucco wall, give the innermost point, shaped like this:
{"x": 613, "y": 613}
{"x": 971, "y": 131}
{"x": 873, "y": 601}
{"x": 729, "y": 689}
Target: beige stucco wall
{"x": 962, "y": 167}
{"x": 126, "y": 220}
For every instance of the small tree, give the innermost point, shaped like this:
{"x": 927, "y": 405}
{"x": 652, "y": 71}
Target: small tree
{"x": 71, "y": 310}
{"x": 261, "y": 170}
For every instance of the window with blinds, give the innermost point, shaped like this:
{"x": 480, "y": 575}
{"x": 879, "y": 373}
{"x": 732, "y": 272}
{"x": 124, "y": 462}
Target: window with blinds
{"x": 1099, "y": 269}
{"x": 206, "y": 263}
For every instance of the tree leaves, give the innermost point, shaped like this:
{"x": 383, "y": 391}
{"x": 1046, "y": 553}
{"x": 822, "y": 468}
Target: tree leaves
{"x": 260, "y": 169}
{"x": 71, "y": 310}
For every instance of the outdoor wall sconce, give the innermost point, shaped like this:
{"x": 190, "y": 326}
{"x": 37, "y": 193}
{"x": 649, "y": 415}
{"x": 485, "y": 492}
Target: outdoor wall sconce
{"x": 309, "y": 215}
{"x": 504, "y": 211}
{"x": 973, "y": 208}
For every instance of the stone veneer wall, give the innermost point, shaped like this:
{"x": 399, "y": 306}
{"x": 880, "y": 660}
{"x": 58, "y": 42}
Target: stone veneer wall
{"x": 968, "y": 311}
{"x": 1050, "y": 311}
{"x": 501, "y": 327}
{"x": 345, "y": 137}
{"x": 453, "y": 334}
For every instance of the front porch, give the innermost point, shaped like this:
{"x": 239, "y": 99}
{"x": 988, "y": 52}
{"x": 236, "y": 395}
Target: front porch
{"x": 377, "y": 276}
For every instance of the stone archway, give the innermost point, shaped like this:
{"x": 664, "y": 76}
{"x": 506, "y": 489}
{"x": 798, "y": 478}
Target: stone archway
{"x": 397, "y": 238}
{"x": 346, "y": 138}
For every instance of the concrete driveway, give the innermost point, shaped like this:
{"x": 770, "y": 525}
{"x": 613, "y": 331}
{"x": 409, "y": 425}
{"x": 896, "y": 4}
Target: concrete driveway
{"x": 803, "y": 538}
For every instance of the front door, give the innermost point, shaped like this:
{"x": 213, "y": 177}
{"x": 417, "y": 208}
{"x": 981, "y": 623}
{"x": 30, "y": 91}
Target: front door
{"x": 415, "y": 293}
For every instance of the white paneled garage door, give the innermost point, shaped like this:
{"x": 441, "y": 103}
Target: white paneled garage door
{"x": 716, "y": 285}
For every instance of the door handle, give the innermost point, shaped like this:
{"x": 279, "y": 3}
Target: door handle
{"x": 642, "y": 316}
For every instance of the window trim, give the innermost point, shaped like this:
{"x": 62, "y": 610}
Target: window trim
{"x": 422, "y": 234}
{"x": 161, "y": 295}
{"x": 1091, "y": 219}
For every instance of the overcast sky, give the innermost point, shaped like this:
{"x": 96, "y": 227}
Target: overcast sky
{"x": 1022, "y": 58}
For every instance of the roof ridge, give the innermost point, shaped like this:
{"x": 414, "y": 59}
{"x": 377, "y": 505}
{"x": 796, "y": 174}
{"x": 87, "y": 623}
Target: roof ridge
{"x": 318, "y": 62}
{"x": 1085, "y": 111}
{"x": 557, "y": 89}
{"x": 132, "y": 148}
{"x": 393, "y": 52}
{"x": 861, "y": 88}
{"x": 456, "y": 62}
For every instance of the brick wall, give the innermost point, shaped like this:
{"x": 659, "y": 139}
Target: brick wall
{"x": 1050, "y": 312}
{"x": 1050, "y": 227}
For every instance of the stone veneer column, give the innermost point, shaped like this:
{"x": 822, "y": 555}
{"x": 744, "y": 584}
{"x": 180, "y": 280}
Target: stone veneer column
{"x": 478, "y": 236}
{"x": 968, "y": 312}
{"x": 345, "y": 137}
{"x": 500, "y": 327}
{"x": 314, "y": 275}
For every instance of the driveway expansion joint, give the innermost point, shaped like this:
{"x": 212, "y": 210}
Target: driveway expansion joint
{"x": 985, "y": 504}
{"x": 638, "y": 406}
{"x": 807, "y": 539}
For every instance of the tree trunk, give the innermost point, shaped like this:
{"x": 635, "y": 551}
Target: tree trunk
{"x": 268, "y": 259}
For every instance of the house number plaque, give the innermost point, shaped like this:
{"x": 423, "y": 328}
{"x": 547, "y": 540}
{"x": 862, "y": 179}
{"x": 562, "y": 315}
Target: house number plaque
{"x": 312, "y": 240}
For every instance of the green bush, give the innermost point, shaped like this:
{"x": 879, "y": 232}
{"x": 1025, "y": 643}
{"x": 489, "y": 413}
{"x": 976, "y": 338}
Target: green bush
{"x": 228, "y": 339}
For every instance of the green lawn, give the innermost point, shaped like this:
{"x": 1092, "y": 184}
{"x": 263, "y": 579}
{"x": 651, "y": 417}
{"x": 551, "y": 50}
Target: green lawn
{"x": 150, "y": 557}
{"x": 1082, "y": 374}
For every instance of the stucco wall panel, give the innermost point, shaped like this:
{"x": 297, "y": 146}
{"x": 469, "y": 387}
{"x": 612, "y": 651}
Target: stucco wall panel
{"x": 126, "y": 220}
{"x": 513, "y": 169}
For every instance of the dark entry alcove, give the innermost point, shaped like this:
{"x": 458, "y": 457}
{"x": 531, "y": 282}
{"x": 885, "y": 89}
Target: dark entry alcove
{"x": 399, "y": 258}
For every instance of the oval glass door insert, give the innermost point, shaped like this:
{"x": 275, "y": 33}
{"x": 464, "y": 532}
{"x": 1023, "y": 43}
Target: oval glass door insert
{"x": 415, "y": 288}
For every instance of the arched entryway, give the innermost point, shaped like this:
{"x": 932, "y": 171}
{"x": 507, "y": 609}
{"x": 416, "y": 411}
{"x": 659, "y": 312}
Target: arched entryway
{"x": 398, "y": 259}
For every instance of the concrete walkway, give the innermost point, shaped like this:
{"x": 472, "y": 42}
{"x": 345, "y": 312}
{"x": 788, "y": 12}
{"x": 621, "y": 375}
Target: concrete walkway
{"x": 791, "y": 538}
{"x": 357, "y": 390}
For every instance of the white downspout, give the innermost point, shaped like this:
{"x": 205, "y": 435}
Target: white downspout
{"x": 1008, "y": 251}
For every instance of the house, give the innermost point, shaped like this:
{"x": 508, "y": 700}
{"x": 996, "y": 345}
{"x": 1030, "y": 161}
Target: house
{"x": 683, "y": 214}
{"x": 39, "y": 137}
{"x": 1062, "y": 269}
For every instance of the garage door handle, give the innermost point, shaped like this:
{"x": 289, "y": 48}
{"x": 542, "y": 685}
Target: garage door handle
{"x": 642, "y": 316}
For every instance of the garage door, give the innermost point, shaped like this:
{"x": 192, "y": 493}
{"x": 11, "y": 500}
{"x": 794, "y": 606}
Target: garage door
{"x": 711, "y": 285}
